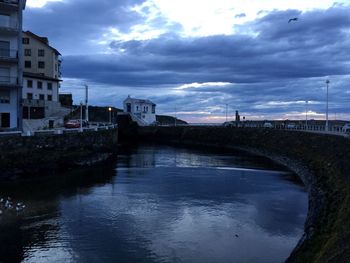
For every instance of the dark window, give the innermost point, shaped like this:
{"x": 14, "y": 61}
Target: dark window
{"x": 27, "y": 64}
{"x": 128, "y": 107}
{"x": 29, "y": 96}
{"x": 41, "y": 97}
{"x": 41, "y": 52}
{"x": 5, "y": 120}
{"x": 4, "y": 97}
{"x": 40, "y": 85}
{"x": 153, "y": 108}
{"x": 49, "y": 97}
{"x": 27, "y": 52}
{"x": 29, "y": 84}
{"x": 41, "y": 64}
{"x": 49, "y": 86}
{"x": 25, "y": 40}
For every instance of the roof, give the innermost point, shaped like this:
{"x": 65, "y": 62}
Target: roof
{"x": 38, "y": 76}
{"x": 43, "y": 40}
{"x": 139, "y": 100}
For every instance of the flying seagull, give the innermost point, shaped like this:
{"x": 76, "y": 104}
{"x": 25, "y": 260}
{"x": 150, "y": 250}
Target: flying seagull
{"x": 293, "y": 19}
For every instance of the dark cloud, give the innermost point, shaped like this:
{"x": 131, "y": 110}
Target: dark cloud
{"x": 72, "y": 25}
{"x": 280, "y": 62}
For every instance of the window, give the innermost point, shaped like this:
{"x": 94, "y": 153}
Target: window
{"x": 40, "y": 85}
{"x": 29, "y": 96}
{"x": 153, "y": 108}
{"x": 25, "y": 41}
{"x": 27, "y": 52}
{"x": 49, "y": 86}
{"x": 4, "y": 97}
{"x": 27, "y": 64}
{"x": 49, "y": 97}
{"x": 41, "y": 97}
{"x": 29, "y": 84}
{"x": 5, "y": 120}
{"x": 41, "y": 64}
{"x": 41, "y": 53}
{"x": 4, "y": 20}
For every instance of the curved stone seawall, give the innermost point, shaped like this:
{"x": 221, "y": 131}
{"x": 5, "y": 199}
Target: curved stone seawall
{"x": 30, "y": 155}
{"x": 321, "y": 161}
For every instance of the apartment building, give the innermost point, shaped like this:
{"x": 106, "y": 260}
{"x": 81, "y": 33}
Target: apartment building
{"x": 11, "y": 70}
{"x": 41, "y": 75}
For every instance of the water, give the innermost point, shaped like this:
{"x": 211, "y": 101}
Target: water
{"x": 158, "y": 204}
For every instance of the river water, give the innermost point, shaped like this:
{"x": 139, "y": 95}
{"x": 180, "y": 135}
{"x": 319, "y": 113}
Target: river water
{"x": 157, "y": 204}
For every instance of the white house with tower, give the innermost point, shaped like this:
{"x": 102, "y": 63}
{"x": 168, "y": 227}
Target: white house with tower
{"x": 142, "y": 111}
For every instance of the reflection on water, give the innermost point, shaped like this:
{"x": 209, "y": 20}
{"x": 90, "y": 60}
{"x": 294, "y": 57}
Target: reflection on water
{"x": 158, "y": 204}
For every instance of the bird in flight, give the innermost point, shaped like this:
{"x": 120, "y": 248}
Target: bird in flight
{"x": 293, "y": 19}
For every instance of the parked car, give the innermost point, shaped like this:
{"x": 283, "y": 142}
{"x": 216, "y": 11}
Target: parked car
{"x": 346, "y": 128}
{"x": 72, "y": 124}
{"x": 291, "y": 126}
{"x": 268, "y": 125}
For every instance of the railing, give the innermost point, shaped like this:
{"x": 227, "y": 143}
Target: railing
{"x": 12, "y": 2}
{"x": 7, "y": 80}
{"x": 8, "y": 53}
{"x": 68, "y": 131}
{"x": 33, "y": 103}
{"x": 12, "y": 25}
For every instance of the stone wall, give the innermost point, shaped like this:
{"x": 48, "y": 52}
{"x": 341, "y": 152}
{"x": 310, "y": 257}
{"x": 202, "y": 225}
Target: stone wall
{"x": 27, "y": 155}
{"x": 322, "y": 162}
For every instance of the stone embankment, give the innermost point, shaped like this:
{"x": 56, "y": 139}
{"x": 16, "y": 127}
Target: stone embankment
{"x": 52, "y": 152}
{"x": 321, "y": 161}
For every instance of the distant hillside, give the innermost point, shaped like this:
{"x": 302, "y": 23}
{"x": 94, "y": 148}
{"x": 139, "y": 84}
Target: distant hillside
{"x": 101, "y": 114}
{"x": 168, "y": 120}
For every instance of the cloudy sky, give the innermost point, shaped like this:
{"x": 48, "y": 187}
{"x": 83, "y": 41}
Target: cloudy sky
{"x": 194, "y": 57}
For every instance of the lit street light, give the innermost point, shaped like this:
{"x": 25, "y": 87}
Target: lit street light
{"x": 326, "y": 128}
{"x": 110, "y": 114}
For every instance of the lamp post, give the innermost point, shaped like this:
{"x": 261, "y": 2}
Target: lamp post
{"x": 326, "y": 128}
{"x": 81, "y": 116}
{"x": 110, "y": 114}
{"x": 226, "y": 111}
{"x": 86, "y": 103}
{"x": 306, "y": 109}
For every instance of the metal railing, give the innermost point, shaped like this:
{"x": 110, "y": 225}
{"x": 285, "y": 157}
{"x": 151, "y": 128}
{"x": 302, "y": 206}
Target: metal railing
{"x": 12, "y": 25}
{"x": 7, "y": 80}
{"x": 12, "y": 2}
{"x": 33, "y": 103}
{"x": 8, "y": 53}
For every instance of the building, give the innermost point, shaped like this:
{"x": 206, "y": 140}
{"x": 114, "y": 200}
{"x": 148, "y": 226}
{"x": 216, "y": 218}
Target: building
{"x": 11, "y": 70}
{"x": 42, "y": 74}
{"x": 141, "y": 111}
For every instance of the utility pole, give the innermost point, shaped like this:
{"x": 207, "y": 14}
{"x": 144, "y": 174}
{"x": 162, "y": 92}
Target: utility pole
{"x": 226, "y": 111}
{"x": 326, "y": 128}
{"x": 306, "y": 109}
{"x": 86, "y": 103}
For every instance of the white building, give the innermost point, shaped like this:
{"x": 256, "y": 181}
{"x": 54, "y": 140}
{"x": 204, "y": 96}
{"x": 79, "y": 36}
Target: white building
{"x": 11, "y": 69}
{"x": 142, "y": 111}
{"x": 41, "y": 77}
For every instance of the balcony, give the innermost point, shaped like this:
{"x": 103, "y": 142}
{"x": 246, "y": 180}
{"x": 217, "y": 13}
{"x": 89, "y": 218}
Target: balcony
{"x": 11, "y": 5}
{"x": 33, "y": 103}
{"x": 10, "y": 28}
{"x": 7, "y": 81}
{"x": 8, "y": 55}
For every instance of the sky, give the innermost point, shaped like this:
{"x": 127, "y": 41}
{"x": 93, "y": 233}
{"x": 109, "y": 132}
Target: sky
{"x": 196, "y": 59}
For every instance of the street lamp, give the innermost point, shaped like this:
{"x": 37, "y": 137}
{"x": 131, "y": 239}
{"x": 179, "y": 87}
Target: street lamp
{"x": 306, "y": 109}
{"x": 326, "y": 128}
{"x": 81, "y": 116}
{"x": 110, "y": 114}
